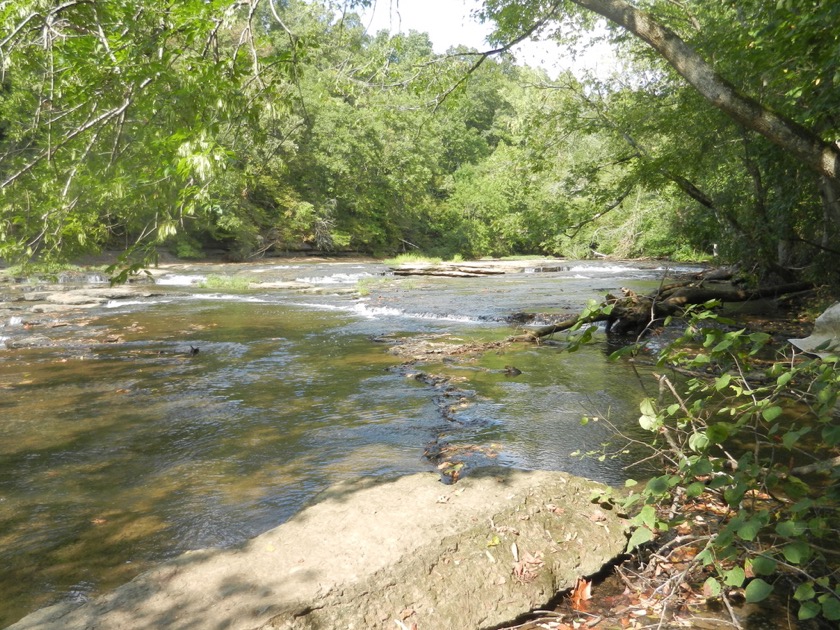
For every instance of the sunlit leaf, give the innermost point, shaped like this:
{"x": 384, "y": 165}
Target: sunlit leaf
{"x": 647, "y": 516}
{"x": 804, "y": 591}
{"x": 640, "y": 536}
{"x": 771, "y": 413}
{"x": 698, "y": 442}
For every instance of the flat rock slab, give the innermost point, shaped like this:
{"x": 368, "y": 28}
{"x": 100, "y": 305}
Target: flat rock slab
{"x": 96, "y": 295}
{"x": 372, "y": 551}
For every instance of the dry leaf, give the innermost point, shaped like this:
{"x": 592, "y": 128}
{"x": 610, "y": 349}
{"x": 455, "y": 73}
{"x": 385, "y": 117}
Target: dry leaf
{"x": 581, "y": 593}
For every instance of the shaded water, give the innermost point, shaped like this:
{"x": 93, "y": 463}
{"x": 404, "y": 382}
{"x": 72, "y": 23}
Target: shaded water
{"x": 121, "y": 448}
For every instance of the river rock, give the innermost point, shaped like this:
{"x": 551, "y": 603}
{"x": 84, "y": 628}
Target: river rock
{"x": 31, "y": 341}
{"x": 374, "y": 551}
{"x": 96, "y": 296}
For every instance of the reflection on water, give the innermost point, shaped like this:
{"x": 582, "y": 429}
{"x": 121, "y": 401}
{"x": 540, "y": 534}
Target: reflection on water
{"x": 123, "y": 447}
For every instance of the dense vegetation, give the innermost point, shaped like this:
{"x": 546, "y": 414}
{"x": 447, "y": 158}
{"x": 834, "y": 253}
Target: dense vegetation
{"x": 265, "y": 126}
{"x": 258, "y": 126}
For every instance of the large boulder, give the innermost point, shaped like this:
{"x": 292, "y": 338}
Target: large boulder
{"x": 374, "y": 551}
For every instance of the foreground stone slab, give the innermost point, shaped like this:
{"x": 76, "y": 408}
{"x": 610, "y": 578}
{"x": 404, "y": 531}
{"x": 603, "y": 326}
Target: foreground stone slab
{"x": 372, "y": 551}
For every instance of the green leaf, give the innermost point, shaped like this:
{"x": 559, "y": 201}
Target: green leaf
{"x": 723, "y": 345}
{"x": 705, "y": 557}
{"x": 640, "y": 536}
{"x": 749, "y": 530}
{"x": 734, "y": 495}
{"x": 695, "y": 489}
{"x": 804, "y": 591}
{"x": 784, "y": 379}
{"x": 722, "y": 382}
{"x": 762, "y": 565}
{"x": 649, "y": 419}
{"x": 711, "y": 587}
{"x": 702, "y": 467}
{"x": 759, "y": 338}
{"x": 757, "y": 590}
{"x": 718, "y": 432}
{"x": 831, "y": 435}
{"x": 647, "y": 516}
{"x": 649, "y": 423}
{"x": 657, "y": 485}
{"x": 830, "y": 607}
{"x": 808, "y": 610}
{"x": 797, "y": 552}
{"x": 698, "y": 442}
{"x": 630, "y": 483}
{"x": 790, "y": 529}
{"x": 771, "y": 413}
{"x": 734, "y": 577}
{"x": 790, "y": 438}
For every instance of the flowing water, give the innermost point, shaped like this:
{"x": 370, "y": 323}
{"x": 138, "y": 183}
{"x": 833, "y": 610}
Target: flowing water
{"x": 122, "y": 446}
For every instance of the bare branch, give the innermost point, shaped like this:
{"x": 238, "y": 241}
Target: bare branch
{"x": 612, "y": 206}
{"x": 482, "y": 56}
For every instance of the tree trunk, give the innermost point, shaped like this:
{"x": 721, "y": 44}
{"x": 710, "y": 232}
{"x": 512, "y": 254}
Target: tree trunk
{"x": 830, "y": 194}
{"x": 633, "y": 313}
{"x": 822, "y": 157}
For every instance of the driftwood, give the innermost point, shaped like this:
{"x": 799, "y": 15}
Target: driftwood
{"x": 632, "y": 313}
{"x": 451, "y": 271}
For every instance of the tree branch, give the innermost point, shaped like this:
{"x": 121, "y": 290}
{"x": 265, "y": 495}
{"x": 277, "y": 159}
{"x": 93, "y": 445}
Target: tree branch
{"x": 819, "y": 155}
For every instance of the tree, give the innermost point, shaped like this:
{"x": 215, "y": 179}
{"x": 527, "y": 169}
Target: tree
{"x": 119, "y": 115}
{"x": 807, "y": 145}
{"x": 780, "y": 65}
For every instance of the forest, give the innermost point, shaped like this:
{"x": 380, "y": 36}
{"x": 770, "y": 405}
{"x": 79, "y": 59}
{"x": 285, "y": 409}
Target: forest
{"x": 251, "y": 128}
{"x": 264, "y": 127}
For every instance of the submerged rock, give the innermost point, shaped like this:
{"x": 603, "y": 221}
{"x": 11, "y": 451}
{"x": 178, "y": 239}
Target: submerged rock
{"x": 30, "y": 341}
{"x": 376, "y": 550}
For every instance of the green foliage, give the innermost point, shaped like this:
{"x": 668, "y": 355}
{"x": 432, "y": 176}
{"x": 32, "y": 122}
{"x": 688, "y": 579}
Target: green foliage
{"x": 739, "y": 439}
{"x": 227, "y": 283}
{"x": 259, "y": 126}
{"x": 411, "y": 259}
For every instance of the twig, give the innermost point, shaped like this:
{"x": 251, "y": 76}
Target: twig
{"x": 726, "y": 603}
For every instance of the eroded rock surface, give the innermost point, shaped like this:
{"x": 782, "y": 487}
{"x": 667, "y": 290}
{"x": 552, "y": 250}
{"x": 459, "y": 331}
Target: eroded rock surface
{"x": 372, "y": 551}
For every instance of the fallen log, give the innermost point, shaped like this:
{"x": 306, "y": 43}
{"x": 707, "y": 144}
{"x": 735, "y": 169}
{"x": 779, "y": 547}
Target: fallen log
{"x": 451, "y": 271}
{"x": 633, "y": 314}
{"x": 566, "y": 324}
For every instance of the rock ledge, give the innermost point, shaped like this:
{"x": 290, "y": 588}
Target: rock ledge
{"x": 374, "y": 551}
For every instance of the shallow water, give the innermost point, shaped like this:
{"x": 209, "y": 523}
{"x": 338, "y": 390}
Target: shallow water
{"x": 122, "y": 448}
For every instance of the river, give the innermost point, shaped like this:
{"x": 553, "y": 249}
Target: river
{"x": 201, "y": 417}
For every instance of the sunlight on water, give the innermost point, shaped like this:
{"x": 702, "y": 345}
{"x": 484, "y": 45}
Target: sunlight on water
{"x": 198, "y": 418}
